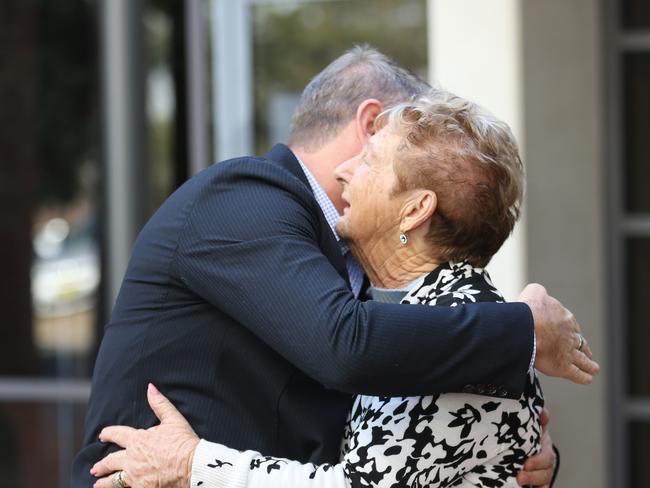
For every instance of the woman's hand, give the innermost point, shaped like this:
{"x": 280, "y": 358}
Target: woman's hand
{"x": 538, "y": 470}
{"x": 156, "y": 457}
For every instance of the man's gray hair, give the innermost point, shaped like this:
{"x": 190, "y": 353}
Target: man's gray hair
{"x": 330, "y": 100}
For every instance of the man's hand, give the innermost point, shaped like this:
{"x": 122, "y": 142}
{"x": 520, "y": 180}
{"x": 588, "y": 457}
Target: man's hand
{"x": 156, "y": 457}
{"x": 538, "y": 469}
{"x": 558, "y": 338}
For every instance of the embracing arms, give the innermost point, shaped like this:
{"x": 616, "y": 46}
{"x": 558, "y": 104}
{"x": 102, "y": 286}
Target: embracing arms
{"x": 255, "y": 254}
{"x": 251, "y": 248}
{"x": 171, "y": 455}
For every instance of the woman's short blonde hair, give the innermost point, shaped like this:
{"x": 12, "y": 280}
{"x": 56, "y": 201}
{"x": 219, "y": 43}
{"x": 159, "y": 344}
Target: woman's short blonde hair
{"x": 470, "y": 159}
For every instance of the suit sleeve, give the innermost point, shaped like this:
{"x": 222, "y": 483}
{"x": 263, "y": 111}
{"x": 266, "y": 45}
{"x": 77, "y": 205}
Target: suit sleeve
{"x": 250, "y": 248}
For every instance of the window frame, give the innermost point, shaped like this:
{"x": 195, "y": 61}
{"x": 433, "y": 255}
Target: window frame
{"x": 621, "y": 225}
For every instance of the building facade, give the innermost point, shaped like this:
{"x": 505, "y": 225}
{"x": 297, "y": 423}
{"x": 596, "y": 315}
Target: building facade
{"x": 107, "y": 106}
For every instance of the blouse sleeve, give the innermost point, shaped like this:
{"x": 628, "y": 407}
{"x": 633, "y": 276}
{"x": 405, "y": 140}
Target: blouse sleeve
{"x": 217, "y": 466}
{"x": 365, "y": 462}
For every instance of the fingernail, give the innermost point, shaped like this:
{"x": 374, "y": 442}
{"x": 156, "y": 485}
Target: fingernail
{"x": 152, "y": 388}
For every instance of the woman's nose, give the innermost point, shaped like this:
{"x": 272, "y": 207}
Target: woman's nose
{"x": 345, "y": 170}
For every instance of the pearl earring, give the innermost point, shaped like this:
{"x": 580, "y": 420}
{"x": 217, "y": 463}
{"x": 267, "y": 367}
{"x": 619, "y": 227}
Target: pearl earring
{"x": 403, "y": 239}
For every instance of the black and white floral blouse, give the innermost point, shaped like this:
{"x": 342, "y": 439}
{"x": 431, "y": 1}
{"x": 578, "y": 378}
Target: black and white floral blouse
{"x": 448, "y": 440}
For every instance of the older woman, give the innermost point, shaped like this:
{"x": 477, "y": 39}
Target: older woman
{"x": 431, "y": 199}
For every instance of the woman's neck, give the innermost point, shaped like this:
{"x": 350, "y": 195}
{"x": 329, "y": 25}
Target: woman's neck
{"x": 394, "y": 266}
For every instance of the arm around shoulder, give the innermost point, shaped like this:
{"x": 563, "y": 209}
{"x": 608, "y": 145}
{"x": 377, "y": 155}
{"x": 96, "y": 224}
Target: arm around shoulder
{"x": 251, "y": 248}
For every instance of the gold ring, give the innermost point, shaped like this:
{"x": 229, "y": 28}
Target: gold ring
{"x": 118, "y": 480}
{"x": 582, "y": 341}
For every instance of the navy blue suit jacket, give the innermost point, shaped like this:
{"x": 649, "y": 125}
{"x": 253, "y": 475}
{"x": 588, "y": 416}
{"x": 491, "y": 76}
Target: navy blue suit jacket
{"x": 236, "y": 305}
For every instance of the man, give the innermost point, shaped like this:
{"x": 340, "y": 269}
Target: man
{"x": 237, "y": 300}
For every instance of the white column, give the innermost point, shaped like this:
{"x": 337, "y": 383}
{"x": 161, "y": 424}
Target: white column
{"x": 232, "y": 78}
{"x": 197, "y": 98}
{"x": 122, "y": 114}
{"x": 474, "y": 51}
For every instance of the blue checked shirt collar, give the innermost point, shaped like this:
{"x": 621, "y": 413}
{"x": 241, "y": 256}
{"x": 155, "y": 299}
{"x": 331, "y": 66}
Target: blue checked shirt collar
{"x": 324, "y": 202}
{"x": 355, "y": 272}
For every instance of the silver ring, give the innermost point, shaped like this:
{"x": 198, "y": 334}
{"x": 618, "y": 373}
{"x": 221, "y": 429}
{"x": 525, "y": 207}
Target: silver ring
{"x": 118, "y": 480}
{"x": 582, "y": 341}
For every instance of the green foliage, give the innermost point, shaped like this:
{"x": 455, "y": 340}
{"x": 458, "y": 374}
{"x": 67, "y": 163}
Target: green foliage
{"x": 294, "y": 42}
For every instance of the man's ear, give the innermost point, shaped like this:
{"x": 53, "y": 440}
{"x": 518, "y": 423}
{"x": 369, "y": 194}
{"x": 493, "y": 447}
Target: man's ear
{"x": 418, "y": 210}
{"x": 367, "y": 112}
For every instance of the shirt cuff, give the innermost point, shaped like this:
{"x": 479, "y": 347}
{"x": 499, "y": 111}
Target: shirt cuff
{"x": 218, "y": 466}
{"x": 532, "y": 359}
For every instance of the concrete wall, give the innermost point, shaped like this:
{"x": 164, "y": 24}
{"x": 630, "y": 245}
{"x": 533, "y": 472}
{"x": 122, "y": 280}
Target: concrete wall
{"x": 566, "y": 207}
{"x": 554, "y": 102}
{"x": 475, "y": 52}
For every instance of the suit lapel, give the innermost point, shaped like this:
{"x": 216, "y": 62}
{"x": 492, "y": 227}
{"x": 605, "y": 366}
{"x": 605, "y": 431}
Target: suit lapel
{"x": 282, "y": 155}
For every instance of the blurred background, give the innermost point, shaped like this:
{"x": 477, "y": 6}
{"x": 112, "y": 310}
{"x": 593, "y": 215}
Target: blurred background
{"x": 106, "y": 106}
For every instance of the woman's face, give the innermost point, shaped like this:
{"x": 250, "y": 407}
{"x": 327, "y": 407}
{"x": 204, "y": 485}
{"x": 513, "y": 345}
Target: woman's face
{"x": 371, "y": 212}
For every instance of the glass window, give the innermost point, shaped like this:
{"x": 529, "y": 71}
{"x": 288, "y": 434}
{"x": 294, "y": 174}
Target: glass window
{"x": 638, "y": 270}
{"x": 636, "y": 106}
{"x": 639, "y": 449}
{"x": 166, "y": 88}
{"x": 38, "y": 443}
{"x": 166, "y": 104}
{"x": 50, "y": 256}
{"x": 293, "y": 42}
{"x": 161, "y": 100}
{"x": 51, "y": 176}
{"x": 51, "y": 210}
{"x": 636, "y": 14}
{"x": 50, "y": 181}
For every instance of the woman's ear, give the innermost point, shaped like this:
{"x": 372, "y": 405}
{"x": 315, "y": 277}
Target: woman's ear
{"x": 418, "y": 210}
{"x": 367, "y": 112}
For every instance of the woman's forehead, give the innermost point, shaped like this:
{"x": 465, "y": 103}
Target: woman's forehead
{"x": 381, "y": 142}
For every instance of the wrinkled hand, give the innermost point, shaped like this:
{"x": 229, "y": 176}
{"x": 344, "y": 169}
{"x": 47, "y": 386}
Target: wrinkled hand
{"x": 156, "y": 457}
{"x": 558, "y": 338}
{"x": 538, "y": 469}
